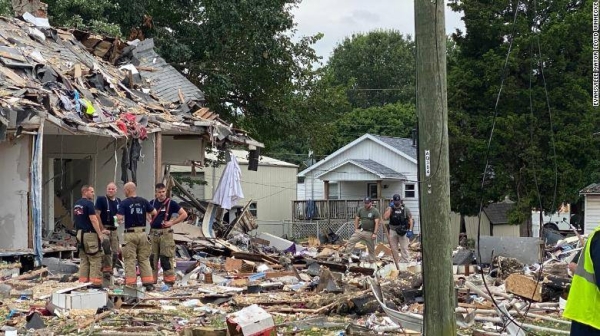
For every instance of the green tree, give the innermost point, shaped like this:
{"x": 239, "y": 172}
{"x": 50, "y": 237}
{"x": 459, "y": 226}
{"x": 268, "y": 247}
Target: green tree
{"x": 6, "y": 8}
{"x": 397, "y": 120}
{"x": 378, "y": 66}
{"x": 242, "y": 54}
{"x": 315, "y": 128}
{"x": 548, "y": 54}
{"x": 82, "y": 14}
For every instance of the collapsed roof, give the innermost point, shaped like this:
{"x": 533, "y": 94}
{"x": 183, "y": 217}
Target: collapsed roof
{"x": 86, "y": 83}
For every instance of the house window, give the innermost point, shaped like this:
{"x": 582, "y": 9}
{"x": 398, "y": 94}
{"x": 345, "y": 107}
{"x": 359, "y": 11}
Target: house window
{"x": 334, "y": 191}
{"x": 301, "y": 179}
{"x": 372, "y": 190}
{"x": 409, "y": 191}
{"x": 252, "y": 209}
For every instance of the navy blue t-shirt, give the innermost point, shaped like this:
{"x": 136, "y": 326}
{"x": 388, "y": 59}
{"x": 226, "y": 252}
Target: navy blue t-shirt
{"x": 108, "y": 209}
{"x": 134, "y": 209}
{"x": 83, "y": 209}
{"x": 161, "y": 209}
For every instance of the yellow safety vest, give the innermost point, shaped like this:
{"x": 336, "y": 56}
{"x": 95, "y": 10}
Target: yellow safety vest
{"x": 583, "y": 304}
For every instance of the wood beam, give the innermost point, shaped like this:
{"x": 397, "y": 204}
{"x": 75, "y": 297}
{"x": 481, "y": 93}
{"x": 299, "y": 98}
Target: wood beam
{"x": 158, "y": 170}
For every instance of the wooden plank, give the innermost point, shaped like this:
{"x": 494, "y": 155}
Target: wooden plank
{"x": 13, "y": 56}
{"x": 18, "y": 80}
{"x": 77, "y": 71}
{"x": 524, "y": 286}
{"x": 232, "y": 265}
{"x": 181, "y": 97}
{"x": 144, "y": 68}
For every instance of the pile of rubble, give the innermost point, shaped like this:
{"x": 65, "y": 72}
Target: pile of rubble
{"x": 240, "y": 283}
{"x": 246, "y": 285}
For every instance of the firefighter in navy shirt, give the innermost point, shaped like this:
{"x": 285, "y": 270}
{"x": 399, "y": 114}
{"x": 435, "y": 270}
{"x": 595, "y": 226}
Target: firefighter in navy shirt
{"x": 133, "y": 212}
{"x": 89, "y": 235}
{"x": 106, "y": 210}
{"x": 161, "y": 233}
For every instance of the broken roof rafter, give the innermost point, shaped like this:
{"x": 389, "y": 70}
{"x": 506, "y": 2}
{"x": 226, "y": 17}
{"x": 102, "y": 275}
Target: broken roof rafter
{"x": 51, "y": 71}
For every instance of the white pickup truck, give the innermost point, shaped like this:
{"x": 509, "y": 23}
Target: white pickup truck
{"x": 558, "y": 221}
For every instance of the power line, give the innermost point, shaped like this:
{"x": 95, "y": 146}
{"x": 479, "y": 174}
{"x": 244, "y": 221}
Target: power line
{"x": 487, "y": 154}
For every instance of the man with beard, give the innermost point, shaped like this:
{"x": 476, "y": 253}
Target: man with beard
{"x": 89, "y": 235}
{"x": 366, "y": 226}
{"x": 161, "y": 234}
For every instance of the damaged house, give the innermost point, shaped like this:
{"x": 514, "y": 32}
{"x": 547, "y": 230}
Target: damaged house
{"x": 81, "y": 109}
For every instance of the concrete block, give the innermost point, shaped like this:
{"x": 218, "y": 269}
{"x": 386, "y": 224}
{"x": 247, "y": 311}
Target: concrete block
{"x": 527, "y": 250}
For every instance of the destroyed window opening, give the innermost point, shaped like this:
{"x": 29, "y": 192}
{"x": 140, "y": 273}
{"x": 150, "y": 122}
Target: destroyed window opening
{"x": 503, "y": 77}
{"x": 253, "y": 209}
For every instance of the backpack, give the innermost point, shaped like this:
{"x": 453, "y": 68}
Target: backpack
{"x": 398, "y": 220}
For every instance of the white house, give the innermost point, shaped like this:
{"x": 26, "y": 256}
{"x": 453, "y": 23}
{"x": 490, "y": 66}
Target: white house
{"x": 271, "y": 188}
{"x": 591, "y": 195}
{"x": 371, "y": 166}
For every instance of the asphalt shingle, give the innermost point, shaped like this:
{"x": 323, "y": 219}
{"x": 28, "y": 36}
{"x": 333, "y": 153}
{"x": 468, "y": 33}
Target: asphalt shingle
{"x": 378, "y": 168}
{"x": 593, "y": 188}
{"x": 497, "y": 213}
{"x": 404, "y": 145}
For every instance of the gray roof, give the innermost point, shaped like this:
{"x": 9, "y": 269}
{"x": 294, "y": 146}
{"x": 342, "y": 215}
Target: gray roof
{"x": 378, "y": 168}
{"x": 593, "y": 188}
{"x": 497, "y": 213}
{"x": 402, "y": 144}
{"x": 165, "y": 81}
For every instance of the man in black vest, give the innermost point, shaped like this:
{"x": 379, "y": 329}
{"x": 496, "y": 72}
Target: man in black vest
{"x": 400, "y": 227}
{"x": 106, "y": 210}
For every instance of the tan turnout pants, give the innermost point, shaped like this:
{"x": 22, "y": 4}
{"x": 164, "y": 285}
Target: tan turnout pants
{"x": 91, "y": 259}
{"x": 137, "y": 249}
{"x": 163, "y": 249}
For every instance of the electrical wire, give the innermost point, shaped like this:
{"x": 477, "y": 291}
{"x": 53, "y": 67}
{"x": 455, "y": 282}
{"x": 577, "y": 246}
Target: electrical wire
{"x": 487, "y": 154}
{"x": 541, "y": 66}
{"x": 537, "y": 187}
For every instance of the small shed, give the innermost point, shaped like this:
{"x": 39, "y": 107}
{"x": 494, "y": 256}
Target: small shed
{"x": 591, "y": 207}
{"x": 497, "y": 214}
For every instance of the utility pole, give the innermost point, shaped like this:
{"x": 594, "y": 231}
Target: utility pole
{"x": 434, "y": 173}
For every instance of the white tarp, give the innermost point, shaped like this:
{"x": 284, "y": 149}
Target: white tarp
{"x": 229, "y": 190}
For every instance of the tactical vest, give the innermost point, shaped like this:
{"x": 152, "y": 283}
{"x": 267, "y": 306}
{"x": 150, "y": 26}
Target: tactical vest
{"x": 398, "y": 219}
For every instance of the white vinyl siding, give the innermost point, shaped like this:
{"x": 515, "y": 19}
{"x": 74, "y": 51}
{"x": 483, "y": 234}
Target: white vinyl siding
{"x": 368, "y": 149}
{"x": 592, "y": 213}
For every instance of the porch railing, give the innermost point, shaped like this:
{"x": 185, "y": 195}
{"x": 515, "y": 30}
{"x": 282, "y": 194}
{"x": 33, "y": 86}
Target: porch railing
{"x": 329, "y": 209}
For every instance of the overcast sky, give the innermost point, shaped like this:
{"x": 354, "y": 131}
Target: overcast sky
{"x": 340, "y": 18}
